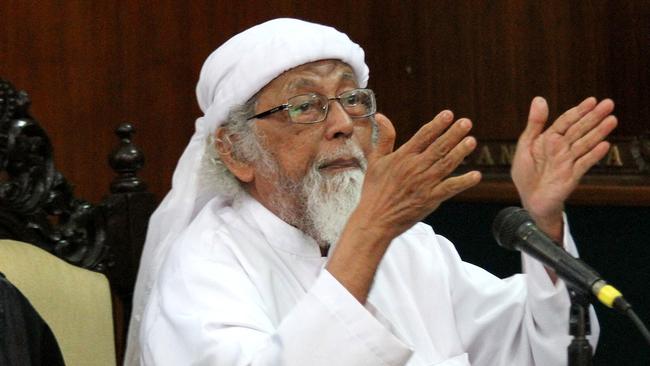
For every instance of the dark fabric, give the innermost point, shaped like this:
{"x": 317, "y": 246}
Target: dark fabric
{"x": 25, "y": 339}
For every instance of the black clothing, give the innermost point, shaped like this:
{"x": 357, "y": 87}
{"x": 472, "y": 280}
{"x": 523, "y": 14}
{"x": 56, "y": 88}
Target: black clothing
{"x": 25, "y": 338}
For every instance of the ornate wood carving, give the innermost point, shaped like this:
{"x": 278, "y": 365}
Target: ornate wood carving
{"x": 126, "y": 160}
{"x": 37, "y": 204}
{"x": 126, "y": 211}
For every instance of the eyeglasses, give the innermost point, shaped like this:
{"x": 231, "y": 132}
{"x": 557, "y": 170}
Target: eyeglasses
{"x": 313, "y": 107}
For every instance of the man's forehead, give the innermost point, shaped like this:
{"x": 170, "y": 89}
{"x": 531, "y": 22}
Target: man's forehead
{"x": 321, "y": 67}
{"x": 310, "y": 74}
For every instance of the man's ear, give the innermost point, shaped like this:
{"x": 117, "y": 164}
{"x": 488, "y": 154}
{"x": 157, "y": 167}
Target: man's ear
{"x": 244, "y": 171}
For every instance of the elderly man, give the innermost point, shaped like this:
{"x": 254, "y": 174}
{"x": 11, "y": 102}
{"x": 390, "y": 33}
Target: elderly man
{"x": 292, "y": 237}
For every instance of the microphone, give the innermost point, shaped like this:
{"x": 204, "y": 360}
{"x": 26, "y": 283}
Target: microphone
{"x": 514, "y": 229}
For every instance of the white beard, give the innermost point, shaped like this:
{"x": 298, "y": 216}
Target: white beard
{"x": 330, "y": 202}
{"x": 322, "y": 203}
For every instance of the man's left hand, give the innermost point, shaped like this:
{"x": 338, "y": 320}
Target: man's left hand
{"x": 548, "y": 164}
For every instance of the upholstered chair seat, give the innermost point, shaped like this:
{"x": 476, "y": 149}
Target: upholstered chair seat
{"x": 74, "y": 302}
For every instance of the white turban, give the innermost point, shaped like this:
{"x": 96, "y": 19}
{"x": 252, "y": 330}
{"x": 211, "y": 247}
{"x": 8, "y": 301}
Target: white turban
{"x": 231, "y": 75}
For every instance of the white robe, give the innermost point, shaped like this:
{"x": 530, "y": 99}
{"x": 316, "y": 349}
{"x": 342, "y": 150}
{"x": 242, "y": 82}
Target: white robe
{"x": 242, "y": 287}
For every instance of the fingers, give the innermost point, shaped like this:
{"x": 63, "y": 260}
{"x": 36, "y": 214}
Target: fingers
{"x": 428, "y": 133}
{"x": 571, "y": 116}
{"x": 435, "y": 140}
{"x": 441, "y": 147}
{"x": 443, "y": 156}
{"x": 447, "y": 163}
{"x": 438, "y": 151}
{"x": 536, "y": 120}
{"x": 584, "y": 128}
{"x": 444, "y": 150}
{"x": 584, "y": 163}
{"x": 385, "y": 137}
{"x": 454, "y": 185}
{"x": 589, "y": 120}
{"x": 597, "y": 134}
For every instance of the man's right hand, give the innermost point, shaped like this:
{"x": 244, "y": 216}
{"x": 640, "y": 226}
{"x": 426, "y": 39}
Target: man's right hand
{"x": 400, "y": 189}
{"x": 403, "y": 187}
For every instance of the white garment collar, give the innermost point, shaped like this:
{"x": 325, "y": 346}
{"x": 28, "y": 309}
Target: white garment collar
{"x": 279, "y": 234}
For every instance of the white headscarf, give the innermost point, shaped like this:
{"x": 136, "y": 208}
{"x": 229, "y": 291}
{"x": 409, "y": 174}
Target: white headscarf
{"x": 230, "y": 76}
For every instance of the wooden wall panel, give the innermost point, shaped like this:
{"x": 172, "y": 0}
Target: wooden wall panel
{"x": 91, "y": 65}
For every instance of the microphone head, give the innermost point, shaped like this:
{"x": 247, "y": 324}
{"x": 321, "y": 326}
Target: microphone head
{"x": 505, "y": 225}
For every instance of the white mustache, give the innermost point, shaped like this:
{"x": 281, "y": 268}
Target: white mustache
{"x": 348, "y": 151}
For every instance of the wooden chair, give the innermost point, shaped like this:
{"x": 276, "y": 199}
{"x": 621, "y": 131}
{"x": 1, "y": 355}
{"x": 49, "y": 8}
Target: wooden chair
{"x": 38, "y": 206}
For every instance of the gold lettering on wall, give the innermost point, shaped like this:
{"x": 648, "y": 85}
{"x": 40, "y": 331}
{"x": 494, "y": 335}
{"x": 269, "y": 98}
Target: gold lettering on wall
{"x": 613, "y": 157}
{"x": 506, "y": 154}
{"x": 624, "y": 157}
{"x": 484, "y": 156}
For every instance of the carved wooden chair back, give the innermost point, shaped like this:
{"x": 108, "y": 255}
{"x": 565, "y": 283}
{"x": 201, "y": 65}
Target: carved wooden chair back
{"x": 38, "y": 206}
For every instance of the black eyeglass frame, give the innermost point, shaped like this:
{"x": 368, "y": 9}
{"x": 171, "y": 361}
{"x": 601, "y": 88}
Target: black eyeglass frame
{"x": 285, "y": 106}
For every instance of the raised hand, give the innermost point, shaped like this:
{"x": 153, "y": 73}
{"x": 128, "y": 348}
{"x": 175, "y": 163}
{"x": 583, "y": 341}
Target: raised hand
{"x": 549, "y": 164}
{"x": 400, "y": 188}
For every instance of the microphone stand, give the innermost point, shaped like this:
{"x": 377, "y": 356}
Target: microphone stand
{"x": 580, "y": 351}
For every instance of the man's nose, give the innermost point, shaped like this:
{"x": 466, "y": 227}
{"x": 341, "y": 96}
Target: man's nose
{"x": 338, "y": 123}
